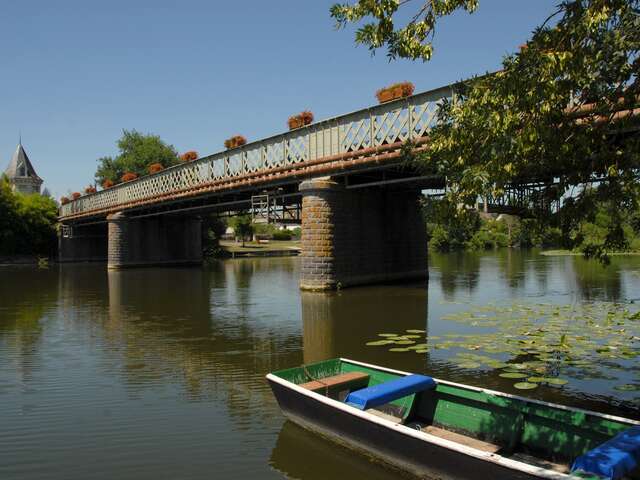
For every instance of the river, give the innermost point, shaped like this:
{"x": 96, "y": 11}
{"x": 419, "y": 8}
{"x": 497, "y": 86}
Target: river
{"x": 159, "y": 373}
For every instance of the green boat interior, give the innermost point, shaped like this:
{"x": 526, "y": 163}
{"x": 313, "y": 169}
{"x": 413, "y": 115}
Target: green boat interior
{"x": 538, "y": 434}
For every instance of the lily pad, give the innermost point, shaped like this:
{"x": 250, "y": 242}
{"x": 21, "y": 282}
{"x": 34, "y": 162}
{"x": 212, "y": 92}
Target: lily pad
{"x": 525, "y": 386}
{"x": 536, "y": 379}
{"x": 421, "y": 350}
{"x": 414, "y": 330}
{"x": 627, "y": 387}
{"x": 513, "y": 375}
{"x": 469, "y": 365}
{"x": 405, "y": 342}
{"x": 387, "y": 334}
{"x": 556, "y": 381}
{"x": 378, "y": 343}
{"x": 399, "y": 350}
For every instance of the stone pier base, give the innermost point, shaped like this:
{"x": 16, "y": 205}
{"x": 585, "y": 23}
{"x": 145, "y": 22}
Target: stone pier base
{"x": 162, "y": 240}
{"x": 360, "y": 236}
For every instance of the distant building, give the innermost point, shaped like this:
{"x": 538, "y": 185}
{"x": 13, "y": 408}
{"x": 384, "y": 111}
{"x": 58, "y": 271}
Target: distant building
{"x": 21, "y": 174}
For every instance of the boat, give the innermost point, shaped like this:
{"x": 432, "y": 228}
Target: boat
{"x": 439, "y": 429}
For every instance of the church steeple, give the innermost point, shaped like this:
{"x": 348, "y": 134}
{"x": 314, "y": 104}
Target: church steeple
{"x": 21, "y": 173}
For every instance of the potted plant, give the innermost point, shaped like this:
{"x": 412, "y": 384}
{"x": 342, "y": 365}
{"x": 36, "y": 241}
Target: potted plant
{"x": 76, "y": 195}
{"x": 395, "y": 91}
{"x": 189, "y": 156}
{"x": 234, "y": 142}
{"x": 90, "y": 189}
{"x": 300, "y": 120}
{"x": 155, "y": 168}
{"x": 64, "y": 200}
{"x": 127, "y": 177}
{"x": 107, "y": 184}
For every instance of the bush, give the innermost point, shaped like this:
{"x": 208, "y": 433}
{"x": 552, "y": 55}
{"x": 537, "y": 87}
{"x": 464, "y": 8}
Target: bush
{"x": 189, "y": 156}
{"x": 282, "y": 235}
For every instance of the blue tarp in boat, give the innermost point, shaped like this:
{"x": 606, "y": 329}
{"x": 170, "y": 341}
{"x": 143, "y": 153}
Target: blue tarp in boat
{"x": 386, "y": 392}
{"x": 614, "y": 458}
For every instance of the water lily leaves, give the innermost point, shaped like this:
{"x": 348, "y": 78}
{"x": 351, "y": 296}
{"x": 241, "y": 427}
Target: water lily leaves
{"x": 513, "y": 375}
{"x": 414, "y": 330}
{"x": 525, "y": 386}
{"x": 387, "y": 334}
{"x": 469, "y": 365}
{"x": 405, "y": 342}
{"x": 399, "y": 349}
{"x": 535, "y": 379}
{"x": 556, "y": 381}
{"x": 378, "y": 343}
{"x": 411, "y": 336}
{"x": 421, "y": 350}
{"x": 628, "y": 387}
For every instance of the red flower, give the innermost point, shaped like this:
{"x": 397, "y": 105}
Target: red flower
{"x": 90, "y": 189}
{"x": 76, "y": 195}
{"x": 395, "y": 91}
{"x": 64, "y": 200}
{"x": 155, "y": 168}
{"x": 127, "y": 177}
{"x": 107, "y": 184}
{"x": 189, "y": 156}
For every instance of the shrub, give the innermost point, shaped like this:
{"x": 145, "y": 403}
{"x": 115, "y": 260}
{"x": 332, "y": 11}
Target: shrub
{"x": 395, "y": 91}
{"x": 90, "y": 189}
{"x": 296, "y": 232}
{"x": 127, "y": 177}
{"x": 107, "y": 184}
{"x": 64, "y": 200}
{"x": 234, "y": 142}
{"x": 188, "y": 156}
{"x": 282, "y": 235}
{"x": 76, "y": 195}
{"x": 155, "y": 168}
{"x": 300, "y": 120}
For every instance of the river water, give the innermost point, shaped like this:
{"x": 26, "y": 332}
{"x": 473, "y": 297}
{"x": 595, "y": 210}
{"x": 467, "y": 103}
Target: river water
{"x": 159, "y": 373}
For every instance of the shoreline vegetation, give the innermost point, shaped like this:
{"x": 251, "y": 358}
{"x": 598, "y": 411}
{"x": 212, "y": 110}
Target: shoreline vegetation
{"x": 451, "y": 228}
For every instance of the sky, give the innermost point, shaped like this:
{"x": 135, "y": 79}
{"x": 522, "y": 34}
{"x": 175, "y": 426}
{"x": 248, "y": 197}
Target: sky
{"x": 76, "y": 73}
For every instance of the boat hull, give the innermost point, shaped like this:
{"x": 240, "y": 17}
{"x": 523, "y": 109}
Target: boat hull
{"x": 390, "y": 445}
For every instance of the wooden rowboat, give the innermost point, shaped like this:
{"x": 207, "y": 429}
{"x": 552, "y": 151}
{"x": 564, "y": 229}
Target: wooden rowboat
{"x": 445, "y": 430}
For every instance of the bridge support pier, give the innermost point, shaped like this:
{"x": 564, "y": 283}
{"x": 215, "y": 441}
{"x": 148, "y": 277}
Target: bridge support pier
{"x": 151, "y": 241}
{"x": 360, "y": 236}
{"x": 82, "y": 243}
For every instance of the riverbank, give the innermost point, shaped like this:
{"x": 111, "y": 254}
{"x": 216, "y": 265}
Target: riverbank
{"x": 8, "y": 260}
{"x": 561, "y": 252}
{"x": 274, "y": 248}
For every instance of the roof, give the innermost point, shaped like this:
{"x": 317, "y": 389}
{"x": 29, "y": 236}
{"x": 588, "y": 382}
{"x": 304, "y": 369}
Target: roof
{"x": 20, "y": 165}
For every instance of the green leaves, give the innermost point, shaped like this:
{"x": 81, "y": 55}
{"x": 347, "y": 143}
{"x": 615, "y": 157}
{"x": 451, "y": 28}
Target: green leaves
{"x": 412, "y": 41}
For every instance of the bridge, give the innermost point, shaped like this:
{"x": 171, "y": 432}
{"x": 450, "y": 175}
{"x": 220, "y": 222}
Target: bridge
{"x": 343, "y": 179}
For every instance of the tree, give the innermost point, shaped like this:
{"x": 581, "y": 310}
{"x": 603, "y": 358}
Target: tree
{"x": 242, "y": 226}
{"x": 414, "y": 40}
{"x": 136, "y": 152}
{"x": 27, "y": 222}
{"x": 556, "y": 111}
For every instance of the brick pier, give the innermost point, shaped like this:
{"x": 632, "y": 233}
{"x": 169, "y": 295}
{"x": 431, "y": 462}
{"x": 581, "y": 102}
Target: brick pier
{"x": 360, "y": 236}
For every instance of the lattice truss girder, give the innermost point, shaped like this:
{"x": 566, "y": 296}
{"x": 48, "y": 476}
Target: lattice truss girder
{"x": 397, "y": 121}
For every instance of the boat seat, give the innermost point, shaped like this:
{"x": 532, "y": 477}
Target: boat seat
{"x": 337, "y": 384}
{"x": 461, "y": 439}
{"x": 614, "y": 458}
{"x": 386, "y": 392}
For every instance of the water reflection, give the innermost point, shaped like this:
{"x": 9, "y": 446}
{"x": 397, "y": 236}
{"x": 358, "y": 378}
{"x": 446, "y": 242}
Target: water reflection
{"x": 103, "y": 371}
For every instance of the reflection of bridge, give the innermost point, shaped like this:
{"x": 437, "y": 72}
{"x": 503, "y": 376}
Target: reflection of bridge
{"x": 361, "y": 221}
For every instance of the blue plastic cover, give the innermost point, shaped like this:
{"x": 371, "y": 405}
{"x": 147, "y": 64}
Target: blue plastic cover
{"x": 389, "y": 391}
{"x": 614, "y": 458}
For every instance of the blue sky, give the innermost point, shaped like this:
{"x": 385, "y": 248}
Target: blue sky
{"x": 75, "y": 73}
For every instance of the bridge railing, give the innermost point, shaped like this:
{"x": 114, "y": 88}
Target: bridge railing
{"x": 398, "y": 121}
